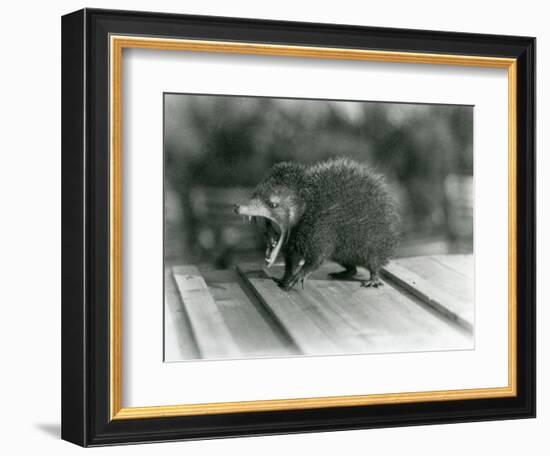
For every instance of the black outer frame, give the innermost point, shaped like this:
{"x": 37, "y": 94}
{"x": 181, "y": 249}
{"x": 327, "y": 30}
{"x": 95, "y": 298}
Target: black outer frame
{"x": 85, "y": 227}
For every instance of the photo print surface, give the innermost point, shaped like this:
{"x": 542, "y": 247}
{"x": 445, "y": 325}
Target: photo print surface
{"x": 301, "y": 227}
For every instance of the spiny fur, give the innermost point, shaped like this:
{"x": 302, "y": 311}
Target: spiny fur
{"x": 348, "y": 214}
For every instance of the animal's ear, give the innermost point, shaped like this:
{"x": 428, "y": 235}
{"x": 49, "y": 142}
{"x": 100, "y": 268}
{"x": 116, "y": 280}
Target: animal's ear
{"x": 288, "y": 173}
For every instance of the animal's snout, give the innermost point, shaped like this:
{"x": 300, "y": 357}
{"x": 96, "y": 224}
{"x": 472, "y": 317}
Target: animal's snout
{"x": 237, "y": 209}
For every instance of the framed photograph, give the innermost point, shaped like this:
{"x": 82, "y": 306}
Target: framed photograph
{"x": 278, "y": 227}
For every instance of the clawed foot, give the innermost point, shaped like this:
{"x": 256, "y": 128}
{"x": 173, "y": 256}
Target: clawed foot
{"x": 287, "y": 285}
{"x": 374, "y": 282}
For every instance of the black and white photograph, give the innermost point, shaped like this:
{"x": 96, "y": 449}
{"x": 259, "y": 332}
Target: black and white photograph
{"x": 315, "y": 227}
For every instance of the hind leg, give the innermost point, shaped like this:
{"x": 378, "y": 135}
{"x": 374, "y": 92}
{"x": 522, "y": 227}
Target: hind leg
{"x": 373, "y": 281}
{"x": 348, "y": 273}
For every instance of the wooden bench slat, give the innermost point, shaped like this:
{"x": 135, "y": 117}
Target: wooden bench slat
{"x": 463, "y": 264}
{"x": 300, "y": 322}
{"x": 253, "y": 331}
{"x": 179, "y": 342}
{"x": 426, "y": 305}
{"x": 393, "y": 322}
{"x": 213, "y": 337}
{"x": 444, "y": 290}
{"x": 341, "y": 317}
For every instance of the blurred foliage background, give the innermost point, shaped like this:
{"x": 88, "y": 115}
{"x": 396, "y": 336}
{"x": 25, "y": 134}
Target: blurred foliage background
{"x": 217, "y": 148}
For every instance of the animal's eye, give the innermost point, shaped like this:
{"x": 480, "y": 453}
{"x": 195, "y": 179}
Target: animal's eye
{"x": 273, "y": 205}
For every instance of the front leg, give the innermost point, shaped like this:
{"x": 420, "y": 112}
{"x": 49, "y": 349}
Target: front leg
{"x": 315, "y": 245}
{"x": 292, "y": 264}
{"x": 302, "y": 274}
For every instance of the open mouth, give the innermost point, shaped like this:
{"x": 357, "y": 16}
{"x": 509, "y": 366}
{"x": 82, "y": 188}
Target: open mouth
{"x": 274, "y": 235}
{"x": 274, "y": 241}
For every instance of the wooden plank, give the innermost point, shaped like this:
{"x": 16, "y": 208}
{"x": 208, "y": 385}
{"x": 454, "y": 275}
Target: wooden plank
{"x": 441, "y": 268}
{"x": 453, "y": 275}
{"x": 395, "y": 322}
{"x": 294, "y": 314}
{"x": 185, "y": 269}
{"x": 463, "y": 264}
{"x": 213, "y": 337}
{"x": 254, "y": 331}
{"x": 179, "y": 343}
{"x": 338, "y": 326}
{"x": 341, "y": 317}
{"x": 445, "y": 291}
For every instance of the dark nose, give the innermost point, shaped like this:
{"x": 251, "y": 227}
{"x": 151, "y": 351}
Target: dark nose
{"x": 236, "y": 208}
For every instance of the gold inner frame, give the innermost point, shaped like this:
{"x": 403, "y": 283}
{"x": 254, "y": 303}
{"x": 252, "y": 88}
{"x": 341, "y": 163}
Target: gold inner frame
{"x": 117, "y": 44}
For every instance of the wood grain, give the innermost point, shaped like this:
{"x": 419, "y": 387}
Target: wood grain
{"x": 436, "y": 284}
{"x": 214, "y": 339}
{"x": 254, "y": 332}
{"x": 298, "y": 318}
{"x": 179, "y": 342}
{"x": 251, "y": 329}
{"x": 341, "y": 317}
{"x": 425, "y": 305}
